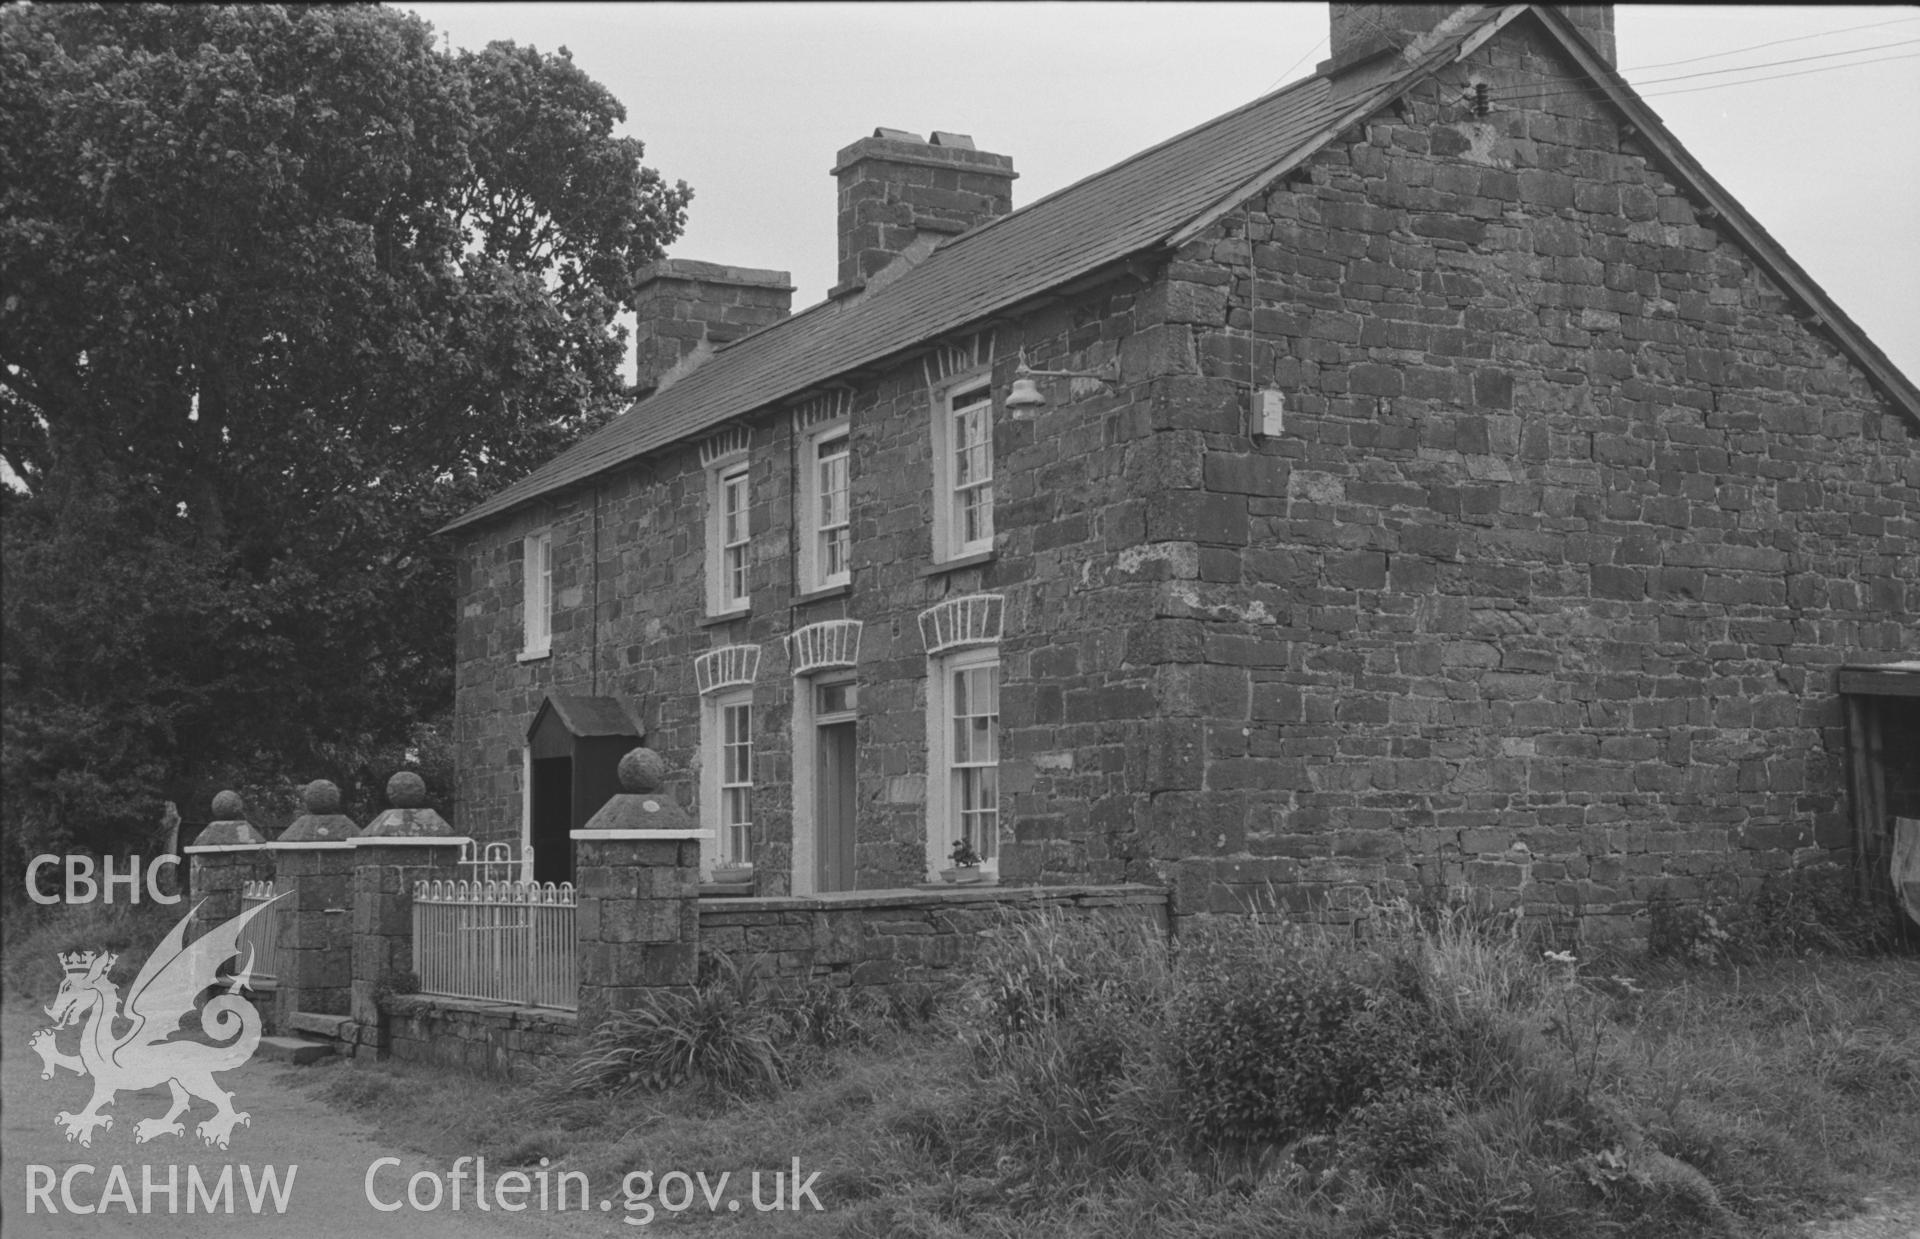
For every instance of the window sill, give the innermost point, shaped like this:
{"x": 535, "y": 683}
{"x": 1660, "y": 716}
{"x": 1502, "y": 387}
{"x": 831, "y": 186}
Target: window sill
{"x": 984, "y": 879}
{"x": 534, "y": 656}
{"x": 841, "y": 590}
{"x": 954, "y": 565}
{"x": 724, "y": 617}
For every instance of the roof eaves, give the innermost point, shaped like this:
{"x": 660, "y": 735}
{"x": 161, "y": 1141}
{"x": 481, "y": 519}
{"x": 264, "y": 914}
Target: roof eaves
{"x": 596, "y": 455}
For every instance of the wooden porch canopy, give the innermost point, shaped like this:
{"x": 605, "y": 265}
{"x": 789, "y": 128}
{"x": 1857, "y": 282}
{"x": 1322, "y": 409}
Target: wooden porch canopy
{"x": 1882, "y": 704}
{"x": 595, "y": 732}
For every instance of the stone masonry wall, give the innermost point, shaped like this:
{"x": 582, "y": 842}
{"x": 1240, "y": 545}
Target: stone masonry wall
{"x": 898, "y": 938}
{"x": 648, "y": 575}
{"x": 486, "y": 1038}
{"x": 1542, "y": 589}
{"x": 894, "y": 938}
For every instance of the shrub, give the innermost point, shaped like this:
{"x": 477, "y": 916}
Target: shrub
{"x": 1400, "y": 1132}
{"x": 1065, "y": 1021}
{"x": 1034, "y": 971}
{"x": 1277, "y": 1044}
{"x": 1811, "y": 910}
{"x": 718, "y": 1036}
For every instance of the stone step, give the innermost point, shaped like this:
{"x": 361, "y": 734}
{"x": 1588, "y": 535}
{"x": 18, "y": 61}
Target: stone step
{"x": 333, "y": 1026}
{"x": 296, "y": 1050}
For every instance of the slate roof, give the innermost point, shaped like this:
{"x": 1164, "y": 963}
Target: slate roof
{"x": 585, "y": 716}
{"x": 1130, "y": 207}
{"x": 1158, "y": 197}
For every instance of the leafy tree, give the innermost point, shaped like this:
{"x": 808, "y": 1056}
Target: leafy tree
{"x": 281, "y": 291}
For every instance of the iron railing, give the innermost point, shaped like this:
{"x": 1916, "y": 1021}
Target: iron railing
{"x": 509, "y": 942}
{"x": 262, "y": 934}
{"x": 492, "y": 862}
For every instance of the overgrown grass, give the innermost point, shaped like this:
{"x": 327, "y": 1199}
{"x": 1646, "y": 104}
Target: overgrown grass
{"x": 1450, "y": 1075}
{"x": 36, "y": 937}
{"x": 1800, "y": 912}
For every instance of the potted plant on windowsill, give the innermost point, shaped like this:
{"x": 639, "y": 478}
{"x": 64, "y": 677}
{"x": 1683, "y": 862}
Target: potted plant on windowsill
{"x": 966, "y": 864}
{"x": 733, "y": 875}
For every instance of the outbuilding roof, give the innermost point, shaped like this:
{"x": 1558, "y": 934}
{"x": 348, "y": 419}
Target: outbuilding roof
{"x": 1158, "y": 197}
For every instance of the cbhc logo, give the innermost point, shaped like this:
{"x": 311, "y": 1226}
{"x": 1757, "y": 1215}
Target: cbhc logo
{"x": 82, "y": 887}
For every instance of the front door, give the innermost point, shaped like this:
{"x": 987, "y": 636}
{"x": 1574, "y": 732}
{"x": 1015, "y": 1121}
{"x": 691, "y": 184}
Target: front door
{"x": 833, "y": 783}
{"x": 834, "y": 811}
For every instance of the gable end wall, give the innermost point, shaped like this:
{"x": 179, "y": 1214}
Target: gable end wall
{"x": 1542, "y": 590}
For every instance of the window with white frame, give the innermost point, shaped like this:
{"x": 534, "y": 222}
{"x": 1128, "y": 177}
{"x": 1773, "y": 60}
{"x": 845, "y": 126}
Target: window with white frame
{"x": 963, "y": 470}
{"x": 825, "y": 519}
{"x": 727, "y": 773}
{"x": 536, "y": 566}
{"x": 729, "y": 501}
{"x": 964, "y": 751}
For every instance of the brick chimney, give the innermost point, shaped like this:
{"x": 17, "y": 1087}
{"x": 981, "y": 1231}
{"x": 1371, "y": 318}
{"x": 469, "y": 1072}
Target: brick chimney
{"x": 1371, "y": 42}
{"x": 900, "y": 194}
{"x": 687, "y": 309}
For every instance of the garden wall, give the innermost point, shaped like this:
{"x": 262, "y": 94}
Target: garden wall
{"x": 893, "y": 937}
{"x": 871, "y": 938}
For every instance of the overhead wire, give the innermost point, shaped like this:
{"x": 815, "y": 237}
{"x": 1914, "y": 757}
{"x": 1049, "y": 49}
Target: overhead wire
{"x": 1579, "y": 83}
{"x": 1688, "y": 90}
{"x": 1392, "y": 36}
{"x": 1667, "y": 64}
{"x": 1582, "y": 81}
{"x": 1575, "y": 81}
{"x": 1296, "y": 64}
{"x": 1754, "y": 47}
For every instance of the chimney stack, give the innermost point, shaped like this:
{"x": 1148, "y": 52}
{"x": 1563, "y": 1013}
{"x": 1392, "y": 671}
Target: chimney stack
{"x": 900, "y": 194}
{"x": 1371, "y": 42}
{"x": 687, "y": 309}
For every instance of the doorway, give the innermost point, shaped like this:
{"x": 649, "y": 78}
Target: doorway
{"x": 834, "y": 807}
{"x": 832, "y": 801}
{"x": 552, "y": 814}
{"x": 574, "y": 747}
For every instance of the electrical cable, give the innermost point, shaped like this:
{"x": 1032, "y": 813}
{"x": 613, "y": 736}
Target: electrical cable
{"x": 1296, "y": 64}
{"x": 1582, "y": 89}
{"x": 1688, "y": 90}
{"x": 1581, "y": 80}
{"x": 1666, "y": 64}
{"x": 1765, "y": 64}
{"x": 1397, "y": 38}
{"x": 1754, "y": 47}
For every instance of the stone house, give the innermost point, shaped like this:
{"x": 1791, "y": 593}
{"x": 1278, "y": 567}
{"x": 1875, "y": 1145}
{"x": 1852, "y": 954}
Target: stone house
{"x": 1414, "y": 476}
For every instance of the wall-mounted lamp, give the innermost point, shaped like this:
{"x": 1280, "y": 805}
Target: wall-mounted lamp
{"x": 1024, "y": 398}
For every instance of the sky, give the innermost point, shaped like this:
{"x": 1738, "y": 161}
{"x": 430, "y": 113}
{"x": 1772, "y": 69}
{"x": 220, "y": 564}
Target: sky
{"x": 748, "y": 104}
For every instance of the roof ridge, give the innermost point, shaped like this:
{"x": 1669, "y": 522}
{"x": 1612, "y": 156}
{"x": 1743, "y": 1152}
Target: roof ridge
{"x": 1143, "y": 202}
{"x": 1136, "y": 157}
{"x": 957, "y": 240}
{"x": 1128, "y": 205}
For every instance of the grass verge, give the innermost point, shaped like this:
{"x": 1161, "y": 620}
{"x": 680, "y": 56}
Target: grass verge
{"x": 1449, "y": 1077}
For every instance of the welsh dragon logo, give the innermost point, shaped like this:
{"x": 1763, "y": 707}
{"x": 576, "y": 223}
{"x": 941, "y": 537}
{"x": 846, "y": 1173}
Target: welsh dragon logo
{"x": 141, "y": 1056}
